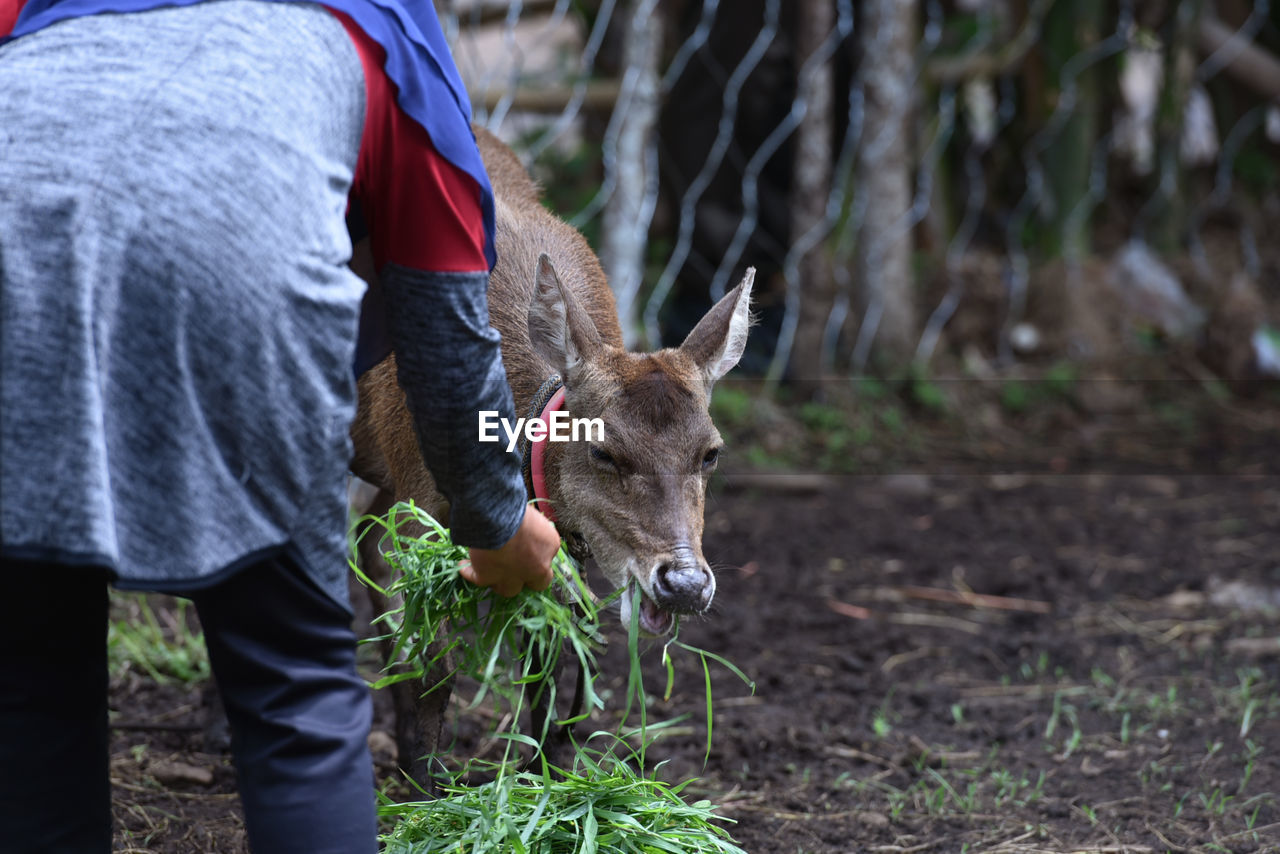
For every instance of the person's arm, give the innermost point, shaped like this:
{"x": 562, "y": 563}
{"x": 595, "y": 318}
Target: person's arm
{"x": 450, "y": 358}
{"x": 428, "y": 242}
{"x": 449, "y": 364}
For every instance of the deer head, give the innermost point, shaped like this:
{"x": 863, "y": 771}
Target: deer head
{"x": 636, "y": 497}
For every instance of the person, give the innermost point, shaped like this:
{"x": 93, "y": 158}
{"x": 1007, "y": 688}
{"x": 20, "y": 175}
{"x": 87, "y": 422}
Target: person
{"x": 180, "y": 336}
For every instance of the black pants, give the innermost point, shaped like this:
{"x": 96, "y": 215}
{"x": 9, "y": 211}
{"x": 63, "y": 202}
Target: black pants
{"x": 283, "y": 655}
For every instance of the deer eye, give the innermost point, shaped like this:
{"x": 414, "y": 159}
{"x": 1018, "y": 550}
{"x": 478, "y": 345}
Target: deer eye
{"x": 710, "y": 458}
{"x": 601, "y": 457}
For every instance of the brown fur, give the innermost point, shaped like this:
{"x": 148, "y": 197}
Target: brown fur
{"x": 386, "y": 449}
{"x": 642, "y": 515}
{"x": 659, "y": 398}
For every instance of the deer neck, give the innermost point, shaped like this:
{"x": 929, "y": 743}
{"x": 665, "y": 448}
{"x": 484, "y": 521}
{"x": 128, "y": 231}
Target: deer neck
{"x": 547, "y": 399}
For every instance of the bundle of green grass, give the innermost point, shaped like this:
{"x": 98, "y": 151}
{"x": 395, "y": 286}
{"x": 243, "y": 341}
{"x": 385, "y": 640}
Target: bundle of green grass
{"x": 502, "y": 643}
{"x": 604, "y": 805}
{"x": 602, "y": 802}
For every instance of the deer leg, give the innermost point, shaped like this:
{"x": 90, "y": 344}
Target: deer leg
{"x": 428, "y": 712}
{"x": 555, "y": 741}
{"x": 419, "y": 714}
{"x": 214, "y": 727}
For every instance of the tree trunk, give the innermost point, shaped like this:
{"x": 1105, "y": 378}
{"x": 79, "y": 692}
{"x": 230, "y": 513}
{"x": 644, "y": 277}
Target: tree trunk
{"x": 1168, "y": 205}
{"x": 629, "y": 210}
{"x": 810, "y": 187}
{"x": 1069, "y": 30}
{"x": 884, "y": 282}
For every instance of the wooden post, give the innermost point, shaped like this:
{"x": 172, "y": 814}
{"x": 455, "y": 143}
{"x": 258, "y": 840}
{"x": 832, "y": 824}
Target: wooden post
{"x": 629, "y": 210}
{"x": 810, "y": 187}
{"x": 1168, "y": 184}
{"x": 1069, "y": 30}
{"x": 883, "y": 276}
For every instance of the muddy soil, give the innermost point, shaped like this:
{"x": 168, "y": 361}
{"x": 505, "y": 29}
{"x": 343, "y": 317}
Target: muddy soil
{"x": 982, "y": 663}
{"x": 1103, "y": 703}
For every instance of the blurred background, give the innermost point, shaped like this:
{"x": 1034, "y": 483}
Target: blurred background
{"x": 992, "y": 215}
{"x": 1000, "y": 243}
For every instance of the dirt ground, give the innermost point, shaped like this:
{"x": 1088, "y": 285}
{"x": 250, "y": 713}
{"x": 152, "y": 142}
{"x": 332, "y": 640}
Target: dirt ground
{"x": 1099, "y": 706}
{"x": 990, "y": 662}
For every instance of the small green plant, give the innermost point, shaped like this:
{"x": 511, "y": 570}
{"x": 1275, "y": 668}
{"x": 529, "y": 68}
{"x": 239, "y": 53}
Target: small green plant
{"x": 965, "y": 803}
{"x": 892, "y": 420}
{"x": 1164, "y": 706}
{"x": 822, "y": 417}
{"x": 924, "y": 392}
{"x": 1015, "y": 397}
{"x": 731, "y": 407}
{"x": 164, "y": 646}
{"x": 1060, "y": 380}
{"x": 896, "y": 800}
{"x": 1056, "y": 386}
{"x": 1018, "y": 791}
{"x": 1059, "y": 712}
{"x": 1215, "y": 802}
{"x": 1034, "y": 672}
{"x": 1247, "y": 700}
{"x": 870, "y": 388}
{"x": 1256, "y": 169}
{"x": 1252, "y": 752}
{"x": 880, "y": 724}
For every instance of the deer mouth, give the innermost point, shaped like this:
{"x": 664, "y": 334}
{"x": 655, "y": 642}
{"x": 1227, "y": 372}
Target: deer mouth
{"x": 653, "y": 619}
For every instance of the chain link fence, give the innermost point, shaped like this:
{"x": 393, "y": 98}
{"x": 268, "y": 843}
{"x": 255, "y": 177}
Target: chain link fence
{"x": 985, "y": 181}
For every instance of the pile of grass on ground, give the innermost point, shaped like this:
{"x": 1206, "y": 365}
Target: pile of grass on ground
{"x": 603, "y": 804}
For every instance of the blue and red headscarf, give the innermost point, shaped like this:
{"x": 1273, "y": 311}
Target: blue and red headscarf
{"x": 418, "y": 62}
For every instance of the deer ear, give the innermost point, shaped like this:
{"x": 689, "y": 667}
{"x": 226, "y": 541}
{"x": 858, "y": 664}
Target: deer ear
{"x": 559, "y": 328}
{"x": 718, "y": 340}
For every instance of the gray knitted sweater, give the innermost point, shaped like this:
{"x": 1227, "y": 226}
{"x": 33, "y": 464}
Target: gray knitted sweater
{"x": 177, "y": 321}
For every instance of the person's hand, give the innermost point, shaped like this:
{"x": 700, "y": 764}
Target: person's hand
{"x": 523, "y": 561}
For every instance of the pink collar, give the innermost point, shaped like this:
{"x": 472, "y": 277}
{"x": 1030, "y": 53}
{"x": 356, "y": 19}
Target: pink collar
{"x": 537, "y": 455}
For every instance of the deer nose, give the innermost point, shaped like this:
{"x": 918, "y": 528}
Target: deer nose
{"x": 683, "y": 583}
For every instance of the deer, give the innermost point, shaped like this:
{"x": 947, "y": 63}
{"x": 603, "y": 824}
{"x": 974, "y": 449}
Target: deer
{"x": 632, "y": 500}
